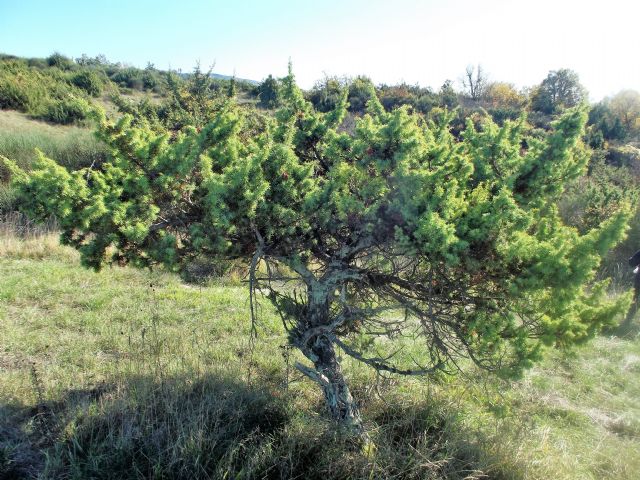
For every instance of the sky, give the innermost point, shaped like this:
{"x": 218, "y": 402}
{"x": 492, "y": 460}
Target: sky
{"x": 419, "y": 42}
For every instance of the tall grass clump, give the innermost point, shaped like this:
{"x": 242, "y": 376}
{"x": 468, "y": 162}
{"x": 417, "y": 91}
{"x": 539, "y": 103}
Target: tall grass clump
{"x": 21, "y": 238}
{"x": 8, "y": 199}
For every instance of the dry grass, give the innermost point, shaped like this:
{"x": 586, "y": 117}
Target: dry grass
{"x": 12, "y": 122}
{"x": 20, "y": 238}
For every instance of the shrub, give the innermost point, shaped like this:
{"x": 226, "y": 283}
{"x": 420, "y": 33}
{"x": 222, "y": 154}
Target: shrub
{"x": 21, "y": 88}
{"x": 13, "y": 96}
{"x": 88, "y": 81}
{"x": 40, "y": 63}
{"x": 326, "y": 94}
{"x": 60, "y": 61}
{"x": 595, "y": 197}
{"x": 270, "y": 92}
{"x": 462, "y": 236}
{"x": 150, "y": 79}
{"x": 66, "y": 111}
{"x": 47, "y": 94}
{"x": 625, "y": 156}
{"x": 129, "y": 77}
{"x": 359, "y": 94}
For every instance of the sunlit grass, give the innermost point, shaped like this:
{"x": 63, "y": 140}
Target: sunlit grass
{"x": 132, "y": 374}
{"x": 70, "y": 146}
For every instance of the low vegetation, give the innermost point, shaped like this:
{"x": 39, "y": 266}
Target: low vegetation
{"x": 142, "y": 376}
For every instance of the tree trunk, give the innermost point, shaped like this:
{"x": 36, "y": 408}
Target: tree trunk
{"x": 338, "y": 398}
{"x": 314, "y": 338}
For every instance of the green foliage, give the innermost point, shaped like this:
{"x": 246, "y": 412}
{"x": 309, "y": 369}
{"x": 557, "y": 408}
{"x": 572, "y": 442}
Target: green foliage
{"x": 58, "y": 60}
{"x": 191, "y": 102}
{"x": 125, "y": 76}
{"x": 136, "y": 79}
{"x": 89, "y": 81}
{"x": 129, "y": 77}
{"x": 359, "y": 92}
{"x": 421, "y": 99}
{"x": 66, "y": 111}
{"x": 448, "y": 96}
{"x": 12, "y": 96}
{"x": 97, "y": 61}
{"x": 617, "y": 118}
{"x": 42, "y": 94}
{"x": 326, "y": 94}
{"x": 504, "y": 102}
{"x": 58, "y": 90}
{"x": 560, "y": 90}
{"x": 146, "y": 112}
{"x": 475, "y": 217}
{"x": 626, "y": 156}
{"x": 20, "y": 88}
{"x": 605, "y": 123}
{"x": 595, "y": 197}
{"x": 269, "y": 92}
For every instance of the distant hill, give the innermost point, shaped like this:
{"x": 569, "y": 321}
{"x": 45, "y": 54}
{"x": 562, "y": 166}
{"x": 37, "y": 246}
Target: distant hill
{"x": 219, "y": 76}
{"x": 228, "y": 77}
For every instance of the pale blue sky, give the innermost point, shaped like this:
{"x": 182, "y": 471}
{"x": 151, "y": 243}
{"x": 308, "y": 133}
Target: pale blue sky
{"x": 423, "y": 42}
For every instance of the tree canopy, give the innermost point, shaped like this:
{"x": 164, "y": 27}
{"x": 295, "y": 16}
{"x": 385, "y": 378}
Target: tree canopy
{"x": 561, "y": 89}
{"x": 394, "y": 230}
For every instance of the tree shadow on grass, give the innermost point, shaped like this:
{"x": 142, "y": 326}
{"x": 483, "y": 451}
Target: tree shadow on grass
{"x": 216, "y": 426}
{"x": 20, "y": 458}
{"x": 26, "y": 431}
{"x": 171, "y": 427}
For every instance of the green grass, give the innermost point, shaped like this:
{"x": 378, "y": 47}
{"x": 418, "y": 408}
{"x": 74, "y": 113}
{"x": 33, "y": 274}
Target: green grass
{"x": 71, "y": 146}
{"x": 132, "y": 374}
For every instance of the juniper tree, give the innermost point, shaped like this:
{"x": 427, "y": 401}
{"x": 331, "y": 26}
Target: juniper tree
{"x": 393, "y": 233}
{"x": 269, "y": 92}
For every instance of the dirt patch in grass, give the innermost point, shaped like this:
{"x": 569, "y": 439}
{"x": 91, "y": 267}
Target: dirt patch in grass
{"x": 12, "y": 361}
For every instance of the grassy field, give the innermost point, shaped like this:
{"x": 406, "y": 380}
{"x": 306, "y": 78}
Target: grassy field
{"x": 133, "y": 374}
{"x": 71, "y": 146}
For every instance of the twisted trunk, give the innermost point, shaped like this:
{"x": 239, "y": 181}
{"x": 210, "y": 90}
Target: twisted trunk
{"x": 337, "y": 395}
{"x": 315, "y": 341}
